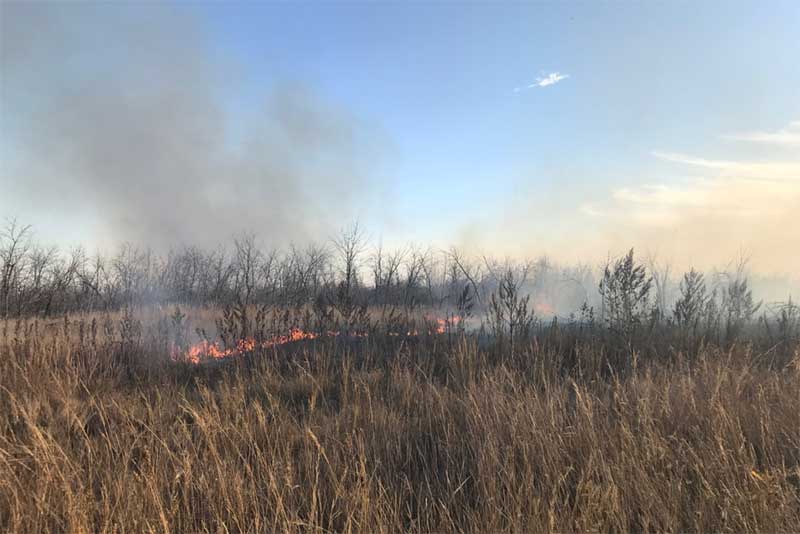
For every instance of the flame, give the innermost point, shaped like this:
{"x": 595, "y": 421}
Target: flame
{"x": 443, "y": 324}
{"x": 206, "y": 350}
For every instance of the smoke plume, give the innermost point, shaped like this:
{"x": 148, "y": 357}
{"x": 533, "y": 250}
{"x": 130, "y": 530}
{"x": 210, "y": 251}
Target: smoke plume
{"x": 117, "y": 115}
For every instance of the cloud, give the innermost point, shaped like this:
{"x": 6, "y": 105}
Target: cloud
{"x": 704, "y": 219}
{"x": 790, "y": 135}
{"x": 694, "y": 211}
{"x": 544, "y": 81}
{"x": 551, "y": 79}
{"x": 689, "y": 160}
{"x": 666, "y": 196}
{"x": 753, "y": 170}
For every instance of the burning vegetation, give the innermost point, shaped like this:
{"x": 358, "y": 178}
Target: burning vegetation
{"x": 213, "y": 350}
{"x": 436, "y": 397}
{"x": 207, "y": 350}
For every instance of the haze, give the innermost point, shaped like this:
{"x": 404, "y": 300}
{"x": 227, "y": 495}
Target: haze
{"x": 572, "y": 130}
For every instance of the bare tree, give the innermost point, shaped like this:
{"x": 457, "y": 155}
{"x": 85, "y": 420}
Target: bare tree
{"x": 247, "y": 267}
{"x": 385, "y": 275}
{"x": 472, "y": 274}
{"x": 509, "y": 312}
{"x": 349, "y": 246}
{"x": 660, "y": 274}
{"x": 14, "y": 244}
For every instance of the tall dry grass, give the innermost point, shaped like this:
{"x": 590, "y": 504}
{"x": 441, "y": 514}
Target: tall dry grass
{"x": 100, "y": 432}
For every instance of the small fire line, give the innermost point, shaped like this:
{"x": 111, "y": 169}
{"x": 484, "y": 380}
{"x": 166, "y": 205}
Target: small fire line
{"x": 206, "y": 350}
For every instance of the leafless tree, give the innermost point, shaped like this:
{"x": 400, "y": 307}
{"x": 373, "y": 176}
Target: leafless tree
{"x": 471, "y": 273}
{"x": 660, "y": 273}
{"x": 14, "y": 244}
{"x": 247, "y": 267}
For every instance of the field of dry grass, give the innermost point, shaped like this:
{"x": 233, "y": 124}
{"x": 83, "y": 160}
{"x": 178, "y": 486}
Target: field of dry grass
{"x": 100, "y": 431}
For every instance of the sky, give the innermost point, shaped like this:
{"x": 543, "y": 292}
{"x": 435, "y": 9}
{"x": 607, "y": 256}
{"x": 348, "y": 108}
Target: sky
{"x": 576, "y": 130}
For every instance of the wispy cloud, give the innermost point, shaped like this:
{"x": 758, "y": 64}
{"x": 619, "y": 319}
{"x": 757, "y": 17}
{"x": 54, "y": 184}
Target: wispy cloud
{"x": 544, "y": 81}
{"x": 691, "y": 160}
{"x": 551, "y": 79}
{"x": 752, "y": 170}
{"x": 790, "y": 135}
{"x": 720, "y": 206}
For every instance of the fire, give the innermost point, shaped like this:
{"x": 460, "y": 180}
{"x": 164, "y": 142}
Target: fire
{"x": 206, "y": 350}
{"x": 443, "y": 324}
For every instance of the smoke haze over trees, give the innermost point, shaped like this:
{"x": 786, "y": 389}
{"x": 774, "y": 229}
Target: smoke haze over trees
{"x": 625, "y": 295}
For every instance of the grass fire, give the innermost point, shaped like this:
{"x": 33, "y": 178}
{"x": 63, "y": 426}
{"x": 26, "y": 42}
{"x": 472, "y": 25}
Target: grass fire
{"x": 461, "y": 400}
{"x": 384, "y": 267}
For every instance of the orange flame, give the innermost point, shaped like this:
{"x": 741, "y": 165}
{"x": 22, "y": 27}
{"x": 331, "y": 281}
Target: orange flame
{"x": 206, "y": 350}
{"x": 443, "y": 324}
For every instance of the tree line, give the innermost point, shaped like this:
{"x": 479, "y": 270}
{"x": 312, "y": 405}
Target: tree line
{"x": 624, "y": 296}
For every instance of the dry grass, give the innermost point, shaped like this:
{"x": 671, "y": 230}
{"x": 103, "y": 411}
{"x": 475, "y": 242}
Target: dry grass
{"x": 435, "y": 434}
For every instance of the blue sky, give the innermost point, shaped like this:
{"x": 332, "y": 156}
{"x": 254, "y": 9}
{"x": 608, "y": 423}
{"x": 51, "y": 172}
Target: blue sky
{"x": 614, "y": 154}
